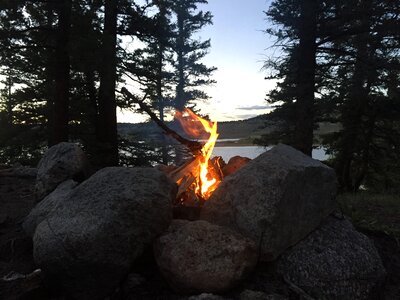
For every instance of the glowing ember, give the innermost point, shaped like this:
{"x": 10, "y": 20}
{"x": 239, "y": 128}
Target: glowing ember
{"x": 205, "y": 182}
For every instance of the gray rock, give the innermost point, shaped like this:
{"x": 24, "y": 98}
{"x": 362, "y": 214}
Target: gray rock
{"x": 202, "y": 257}
{"x": 60, "y": 162}
{"x": 206, "y": 296}
{"x": 89, "y": 242}
{"x": 334, "y": 262}
{"x": 47, "y": 205}
{"x": 257, "y": 295}
{"x": 276, "y": 199}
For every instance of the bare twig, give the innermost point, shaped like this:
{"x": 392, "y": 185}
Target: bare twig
{"x": 194, "y": 147}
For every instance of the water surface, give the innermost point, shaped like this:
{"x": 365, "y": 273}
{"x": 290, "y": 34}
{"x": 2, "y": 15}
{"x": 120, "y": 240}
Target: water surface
{"x": 254, "y": 151}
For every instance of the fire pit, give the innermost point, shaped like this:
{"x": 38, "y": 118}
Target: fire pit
{"x": 88, "y": 236}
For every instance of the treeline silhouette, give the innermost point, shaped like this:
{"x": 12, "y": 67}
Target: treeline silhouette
{"x": 63, "y": 63}
{"x": 339, "y": 62}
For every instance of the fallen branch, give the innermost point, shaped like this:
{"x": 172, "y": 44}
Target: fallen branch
{"x": 194, "y": 147}
{"x": 18, "y": 286}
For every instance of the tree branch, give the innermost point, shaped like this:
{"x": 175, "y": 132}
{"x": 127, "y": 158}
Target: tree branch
{"x": 194, "y": 147}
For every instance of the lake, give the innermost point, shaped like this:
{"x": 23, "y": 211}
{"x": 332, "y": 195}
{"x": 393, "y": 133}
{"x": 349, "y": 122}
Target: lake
{"x": 253, "y": 151}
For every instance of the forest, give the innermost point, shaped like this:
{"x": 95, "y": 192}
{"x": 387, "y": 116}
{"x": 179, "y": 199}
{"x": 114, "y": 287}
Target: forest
{"x": 64, "y": 63}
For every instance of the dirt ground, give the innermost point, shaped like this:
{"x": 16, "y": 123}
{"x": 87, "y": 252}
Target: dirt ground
{"x": 17, "y": 199}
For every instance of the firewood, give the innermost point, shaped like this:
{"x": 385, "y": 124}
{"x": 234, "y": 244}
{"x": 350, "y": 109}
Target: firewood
{"x": 189, "y": 167}
{"x": 186, "y": 182}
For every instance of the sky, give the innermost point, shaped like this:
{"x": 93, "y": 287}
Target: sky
{"x": 238, "y": 48}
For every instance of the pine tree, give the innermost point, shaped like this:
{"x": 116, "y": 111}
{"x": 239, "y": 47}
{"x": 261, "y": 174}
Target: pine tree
{"x": 190, "y": 73}
{"x": 365, "y": 108}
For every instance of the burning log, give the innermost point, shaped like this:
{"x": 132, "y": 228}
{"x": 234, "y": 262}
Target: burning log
{"x": 187, "y": 177}
{"x": 187, "y": 168}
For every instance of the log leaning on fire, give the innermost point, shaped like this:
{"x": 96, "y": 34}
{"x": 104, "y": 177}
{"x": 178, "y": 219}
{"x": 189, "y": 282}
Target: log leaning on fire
{"x": 184, "y": 174}
{"x": 194, "y": 147}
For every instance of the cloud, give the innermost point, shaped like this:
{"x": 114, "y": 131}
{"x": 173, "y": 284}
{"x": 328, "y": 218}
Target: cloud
{"x": 236, "y": 117}
{"x": 244, "y": 117}
{"x": 255, "y": 107}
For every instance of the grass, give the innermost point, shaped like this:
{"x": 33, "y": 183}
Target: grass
{"x": 373, "y": 212}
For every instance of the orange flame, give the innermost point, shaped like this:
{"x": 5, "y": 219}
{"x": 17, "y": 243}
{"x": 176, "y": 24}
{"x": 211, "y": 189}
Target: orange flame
{"x": 197, "y": 127}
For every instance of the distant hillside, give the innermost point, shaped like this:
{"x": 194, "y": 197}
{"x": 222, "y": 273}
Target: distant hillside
{"x": 243, "y": 129}
{"x": 227, "y": 130}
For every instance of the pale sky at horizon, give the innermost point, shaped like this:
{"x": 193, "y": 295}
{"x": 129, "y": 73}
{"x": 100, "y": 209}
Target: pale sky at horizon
{"x": 238, "y": 48}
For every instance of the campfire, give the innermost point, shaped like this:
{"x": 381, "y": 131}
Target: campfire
{"x": 200, "y": 175}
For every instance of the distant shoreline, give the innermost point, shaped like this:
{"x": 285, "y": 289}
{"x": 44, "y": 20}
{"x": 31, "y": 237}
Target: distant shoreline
{"x": 235, "y": 144}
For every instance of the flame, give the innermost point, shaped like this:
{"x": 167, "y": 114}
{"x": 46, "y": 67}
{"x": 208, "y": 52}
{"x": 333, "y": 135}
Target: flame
{"x": 197, "y": 127}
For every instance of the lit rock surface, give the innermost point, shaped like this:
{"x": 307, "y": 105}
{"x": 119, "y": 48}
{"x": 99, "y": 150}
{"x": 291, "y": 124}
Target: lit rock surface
{"x": 202, "y": 257}
{"x": 47, "y": 205}
{"x": 60, "y": 162}
{"x": 334, "y": 262}
{"x": 89, "y": 242}
{"x": 234, "y": 164}
{"x": 276, "y": 199}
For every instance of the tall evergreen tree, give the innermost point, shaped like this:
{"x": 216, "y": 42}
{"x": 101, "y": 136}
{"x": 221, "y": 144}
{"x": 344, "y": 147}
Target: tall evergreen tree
{"x": 190, "y": 72}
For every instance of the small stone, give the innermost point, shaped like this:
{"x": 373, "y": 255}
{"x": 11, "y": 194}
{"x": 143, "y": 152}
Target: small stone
{"x": 59, "y": 163}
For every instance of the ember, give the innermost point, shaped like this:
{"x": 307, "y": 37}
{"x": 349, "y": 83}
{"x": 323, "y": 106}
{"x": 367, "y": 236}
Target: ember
{"x": 199, "y": 177}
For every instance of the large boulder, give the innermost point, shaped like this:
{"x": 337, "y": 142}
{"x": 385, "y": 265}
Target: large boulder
{"x": 276, "y": 199}
{"x": 334, "y": 262}
{"x": 88, "y": 243}
{"x": 60, "y": 162}
{"x": 47, "y": 205}
{"x": 199, "y": 257}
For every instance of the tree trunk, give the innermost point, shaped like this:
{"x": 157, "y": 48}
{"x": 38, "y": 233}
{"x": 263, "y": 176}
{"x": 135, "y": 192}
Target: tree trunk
{"x": 180, "y": 101}
{"x": 10, "y": 105}
{"x": 161, "y": 105}
{"x": 306, "y": 63}
{"x": 62, "y": 75}
{"x": 106, "y": 132}
{"x": 353, "y": 112}
{"x": 49, "y": 75}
